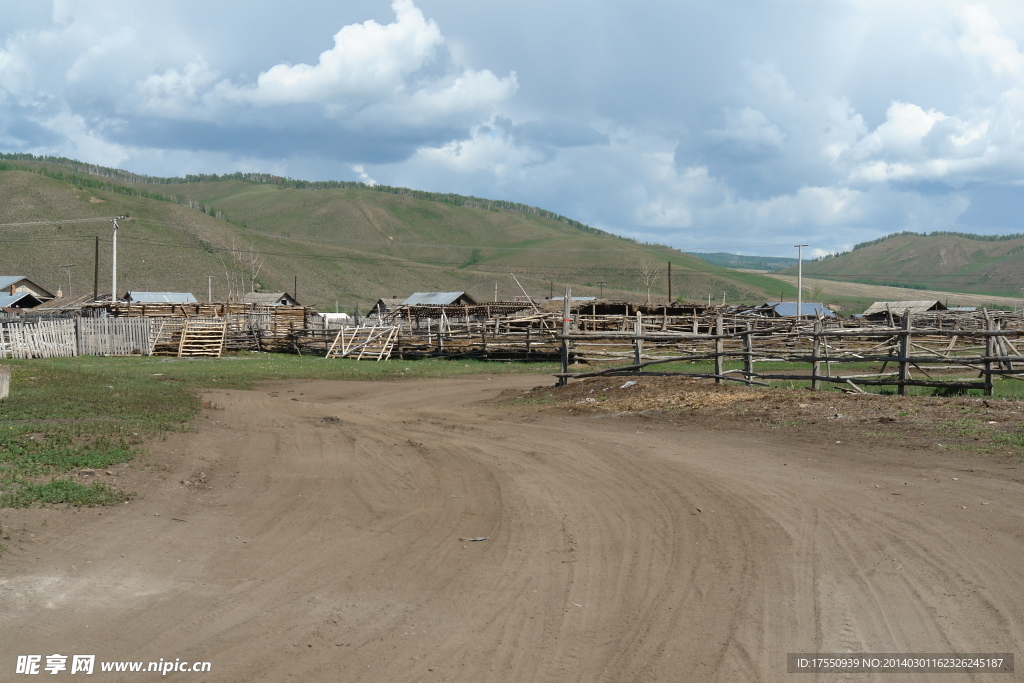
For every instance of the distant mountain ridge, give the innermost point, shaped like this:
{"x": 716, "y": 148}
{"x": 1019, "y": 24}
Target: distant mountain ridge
{"x": 727, "y": 260}
{"x": 291, "y": 183}
{"x": 941, "y": 260}
{"x": 339, "y": 242}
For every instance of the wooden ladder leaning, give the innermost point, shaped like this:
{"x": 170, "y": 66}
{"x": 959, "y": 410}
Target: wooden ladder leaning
{"x": 202, "y": 338}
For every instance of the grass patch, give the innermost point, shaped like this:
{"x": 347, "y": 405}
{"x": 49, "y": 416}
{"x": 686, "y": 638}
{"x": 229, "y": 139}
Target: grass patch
{"x": 963, "y": 427}
{"x": 65, "y": 491}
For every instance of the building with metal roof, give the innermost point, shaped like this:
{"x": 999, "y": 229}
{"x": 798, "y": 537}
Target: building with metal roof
{"x": 13, "y": 284}
{"x": 160, "y": 298}
{"x": 439, "y": 299}
{"x": 880, "y": 308}
{"x": 19, "y": 300}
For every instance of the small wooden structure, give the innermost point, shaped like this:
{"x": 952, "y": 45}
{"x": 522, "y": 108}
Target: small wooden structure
{"x": 202, "y": 338}
{"x": 369, "y": 343}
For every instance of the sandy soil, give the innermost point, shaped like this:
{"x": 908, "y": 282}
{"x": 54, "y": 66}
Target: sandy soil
{"x": 310, "y": 531}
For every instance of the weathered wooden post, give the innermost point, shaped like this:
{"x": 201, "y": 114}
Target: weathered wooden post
{"x": 748, "y": 354}
{"x": 638, "y": 343}
{"x": 990, "y": 346}
{"x": 563, "y": 380}
{"x": 5, "y": 381}
{"x": 815, "y": 356}
{"x": 904, "y": 353}
{"x": 719, "y": 349}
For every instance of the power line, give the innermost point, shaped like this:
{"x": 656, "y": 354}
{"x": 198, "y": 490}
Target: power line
{"x": 57, "y": 222}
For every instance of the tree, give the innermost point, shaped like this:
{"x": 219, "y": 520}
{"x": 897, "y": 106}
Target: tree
{"x": 649, "y": 272}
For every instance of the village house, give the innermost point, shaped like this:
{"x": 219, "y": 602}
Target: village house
{"x": 18, "y": 292}
{"x": 269, "y": 299}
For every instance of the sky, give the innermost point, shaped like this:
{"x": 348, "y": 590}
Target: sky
{"x": 746, "y": 126}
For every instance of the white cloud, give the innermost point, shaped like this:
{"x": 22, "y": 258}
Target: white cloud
{"x": 375, "y": 75}
{"x": 487, "y": 150}
{"x": 983, "y": 40}
{"x": 367, "y": 60}
{"x": 830, "y": 121}
{"x": 749, "y": 129}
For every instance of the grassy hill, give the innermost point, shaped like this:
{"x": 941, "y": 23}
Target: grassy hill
{"x": 769, "y": 263}
{"x": 938, "y": 261}
{"x": 344, "y": 242}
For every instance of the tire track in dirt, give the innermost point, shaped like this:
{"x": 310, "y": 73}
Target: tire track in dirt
{"x": 327, "y": 547}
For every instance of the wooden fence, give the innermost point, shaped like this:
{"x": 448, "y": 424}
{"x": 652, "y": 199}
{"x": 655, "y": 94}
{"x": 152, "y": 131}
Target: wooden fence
{"x": 75, "y": 337}
{"x": 38, "y": 340}
{"x": 917, "y": 354}
{"x": 114, "y": 336}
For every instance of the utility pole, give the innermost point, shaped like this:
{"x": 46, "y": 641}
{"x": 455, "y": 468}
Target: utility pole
{"x": 601, "y": 284}
{"x": 670, "y": 282}
{"x": 67, "y": 268}
{"x": 113, "y": 258}
{"x": 96, "y": 271}
{"x": 724, "y": 292}
{"x": 495, "y": 292}
{"x": 799, "y": 279}
{"x": 209, "y": 289}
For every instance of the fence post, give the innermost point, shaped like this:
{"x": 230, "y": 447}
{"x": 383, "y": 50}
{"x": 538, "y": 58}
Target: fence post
{"x": 990, "y": 345}
{"x": 748, "y": 354}
{"x": 638, "y": 343}
{"x": 719, "y": 350}
{"x": 904, "y": 348}
{"x": 562, "y": 381}
{"x": 815, "y": 355}
{"x": 5, "y": 381}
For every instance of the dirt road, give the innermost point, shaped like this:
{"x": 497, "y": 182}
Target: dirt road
{"x": 311, "y": 532}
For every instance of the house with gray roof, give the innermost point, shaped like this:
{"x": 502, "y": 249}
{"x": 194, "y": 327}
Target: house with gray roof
{"x": 160, "y": 298}
{"x": 898, "y": 308}
{"x": 18, "y": 292}
{"x": 439, "y": 299}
